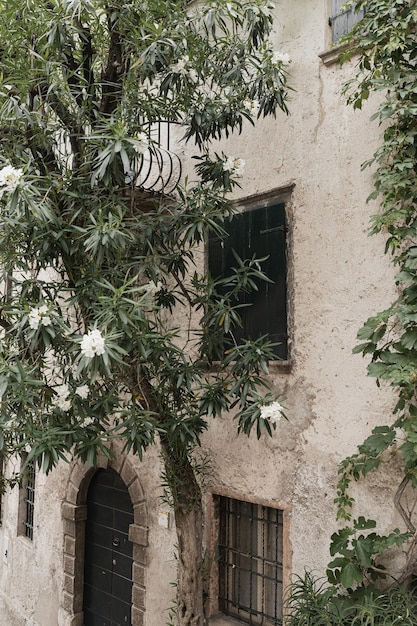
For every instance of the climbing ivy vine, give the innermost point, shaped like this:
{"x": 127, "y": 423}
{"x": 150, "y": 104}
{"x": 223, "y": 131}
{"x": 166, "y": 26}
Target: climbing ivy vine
{"x": 385, "y": 47}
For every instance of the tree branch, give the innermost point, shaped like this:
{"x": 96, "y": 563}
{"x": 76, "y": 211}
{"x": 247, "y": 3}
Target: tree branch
{"x": 399, "y": 506}
{"x": 111, "y": 77}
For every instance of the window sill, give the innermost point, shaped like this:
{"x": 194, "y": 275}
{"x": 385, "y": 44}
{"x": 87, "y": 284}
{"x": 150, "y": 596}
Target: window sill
{"x": 223, "y": 620}
{"x": 274, "y": 367}
{"x": 283, "y": 366}
{"x": 333, "y": 55}
{"x": 25, "y": 541}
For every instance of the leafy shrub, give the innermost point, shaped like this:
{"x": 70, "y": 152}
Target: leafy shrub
{"x": 312, "y": 602}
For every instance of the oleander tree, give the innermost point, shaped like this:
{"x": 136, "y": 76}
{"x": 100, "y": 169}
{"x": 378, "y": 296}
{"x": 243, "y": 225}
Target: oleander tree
{"x": 97, "y": 269}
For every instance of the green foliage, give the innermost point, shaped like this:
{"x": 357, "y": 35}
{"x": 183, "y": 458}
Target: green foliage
{"x": 360, "y": 464}
{"x": 312, "y": 602}
{"x": 384, "y": 44}
{"x": 358, "y": 553}
{"x": 97, "y": 270}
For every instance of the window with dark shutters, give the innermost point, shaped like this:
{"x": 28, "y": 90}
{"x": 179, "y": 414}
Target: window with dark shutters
{"x": 260, "y": 232}
{"x": 342, "y": 20}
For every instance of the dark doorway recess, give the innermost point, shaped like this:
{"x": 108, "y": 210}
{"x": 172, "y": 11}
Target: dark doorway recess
{"x": 108, "y": 552}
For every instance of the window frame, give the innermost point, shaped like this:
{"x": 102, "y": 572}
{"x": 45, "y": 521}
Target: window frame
{"x": 249, "y": 549}
{"x": 212, "y": 508}
{"x": 275, "y": 197}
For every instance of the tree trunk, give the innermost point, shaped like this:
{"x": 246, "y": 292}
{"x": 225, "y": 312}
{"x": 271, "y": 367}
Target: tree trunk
{"x": 186, "y": 495}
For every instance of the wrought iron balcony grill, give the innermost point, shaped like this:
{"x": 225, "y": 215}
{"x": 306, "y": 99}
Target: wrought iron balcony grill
{"x": 158, "y": 168}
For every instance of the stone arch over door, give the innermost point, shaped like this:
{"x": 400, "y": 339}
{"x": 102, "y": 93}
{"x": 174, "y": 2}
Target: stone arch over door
{"x": 74, "y": 515}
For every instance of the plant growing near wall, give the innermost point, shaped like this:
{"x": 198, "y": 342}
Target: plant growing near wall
{"x": 386, "y": 47}
{"x": 314, "y": 603}
{"x": 96, "y": 267}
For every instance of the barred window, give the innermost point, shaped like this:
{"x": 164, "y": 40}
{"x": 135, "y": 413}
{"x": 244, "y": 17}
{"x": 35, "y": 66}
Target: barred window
{"x": 250, "y": 562}
{"x": 27, "y": 500}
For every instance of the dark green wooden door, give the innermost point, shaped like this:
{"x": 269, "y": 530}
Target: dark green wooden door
{"x": 108, "y": 552}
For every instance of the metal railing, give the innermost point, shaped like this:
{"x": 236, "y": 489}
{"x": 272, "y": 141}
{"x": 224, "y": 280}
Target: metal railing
{"x": 158, "y": 168}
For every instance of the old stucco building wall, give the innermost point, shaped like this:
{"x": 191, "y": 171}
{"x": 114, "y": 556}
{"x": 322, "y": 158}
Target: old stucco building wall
{"x": 337, "y": 277}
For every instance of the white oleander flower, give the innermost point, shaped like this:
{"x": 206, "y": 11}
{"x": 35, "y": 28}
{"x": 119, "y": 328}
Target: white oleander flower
{"x": 9, "y": 178}
{"x": 83, "y": 391}
{"x": 92, "y": 344}
{"x": 87, "y": 421}
{"x": 272, "y": 412}
{"x": 141, "y": 143}
{"x": 281, "y": 58}
{"x": 182, "y": 67}
{"x": 252, "y": 106}
{"x": 234, "y": 165}
{"x": 38, "y": 316}
{"x": 61, "y": 400}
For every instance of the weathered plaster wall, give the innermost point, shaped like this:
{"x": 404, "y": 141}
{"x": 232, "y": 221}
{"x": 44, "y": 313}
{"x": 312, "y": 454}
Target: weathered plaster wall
{"x": 31, "y": 574}
{"x": 337, "y": 278}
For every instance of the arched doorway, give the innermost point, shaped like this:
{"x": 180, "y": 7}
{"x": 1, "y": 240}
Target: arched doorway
{"x": 108, "y": 554}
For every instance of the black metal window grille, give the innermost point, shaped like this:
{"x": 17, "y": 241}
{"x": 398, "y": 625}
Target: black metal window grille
{"x": 260, "y": 232}
{"x": 250, "y": 562}
{"x": 343, "y": 20}
{"x": 29, "y": 499}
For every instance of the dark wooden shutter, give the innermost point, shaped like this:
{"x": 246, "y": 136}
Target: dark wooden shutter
{"x": 261, "y": 233}
{"x": 343, "y": 21}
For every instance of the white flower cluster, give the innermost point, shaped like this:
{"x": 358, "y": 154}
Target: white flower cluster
{"x": 39, "y": 316}
{"x": 281, "y": 58}
{"x": 92, "y": 344}
{"x": 272, "y": 412}
{"x": 234, "y": 165}
{"x": 82, "y": 391}
{"x": 141, "y": 143}
{"x": 252, "y": 106}
{"x": 9, "y": 179}
{"x": 183, "y": 68}
{"x": 62, "y": 399}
